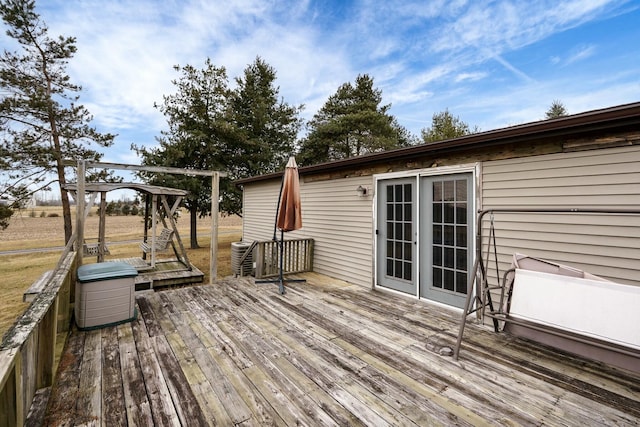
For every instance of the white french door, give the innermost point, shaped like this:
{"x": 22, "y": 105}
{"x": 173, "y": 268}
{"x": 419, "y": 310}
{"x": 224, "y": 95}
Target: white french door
{"x": 425, "y": 236}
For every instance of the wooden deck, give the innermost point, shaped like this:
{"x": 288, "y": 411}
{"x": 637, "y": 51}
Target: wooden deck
{"x": 325, "y": 353}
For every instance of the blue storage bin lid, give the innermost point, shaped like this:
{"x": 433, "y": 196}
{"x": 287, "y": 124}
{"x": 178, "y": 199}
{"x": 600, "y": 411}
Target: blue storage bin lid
{"x": 105, "y": 271}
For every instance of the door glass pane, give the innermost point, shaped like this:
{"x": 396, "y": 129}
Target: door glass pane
{"x": 448, "y": 258}
{"x": 408, "y": 231}
{"x": 448, "y": 282}
{"x": 437, "y": 277}
{"x": 461, "y": 259}
{"x": 437, "y": 212}
{"x": 437, "y": 191}
{"x": 399, "y": 231}
{"x": 448, "y": 191}
{"x": 449, "y": 213}
{"x": 461, "y": 236}
{"x": 437, "y": 256}
{"x": 449, "y": 235}
{"x": 408, "y": 193}
{"x": 461, "y": 213}
{"x": 461, "y": 283}
{"x": 407, "y": 252}
{"x": 399, "y": 211}
{"x": 461, "y": 189}
{"x": 437, "y": 234}
{"x": 407, "y": 271}
{"x": 407, "y": 211}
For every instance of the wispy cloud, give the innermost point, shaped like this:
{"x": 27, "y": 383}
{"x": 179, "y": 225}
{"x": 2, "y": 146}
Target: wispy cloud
{"x": 582, "y": 53}
{"x": 469, "y": 77}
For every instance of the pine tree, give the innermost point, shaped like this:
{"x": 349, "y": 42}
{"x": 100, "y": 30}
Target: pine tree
{"x": 196, "y": 138}
{"x": 243, "y": 132}
{"x": 557, "y": 109}
{"x": 445, "y": 126}
{"x": 42, "y": 122}
{"x": 352, "y": 123}
{"x": 265, "y": 128}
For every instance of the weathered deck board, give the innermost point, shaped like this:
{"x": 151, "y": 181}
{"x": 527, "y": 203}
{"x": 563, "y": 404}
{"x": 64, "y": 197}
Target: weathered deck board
{"x": 325, "y": 353}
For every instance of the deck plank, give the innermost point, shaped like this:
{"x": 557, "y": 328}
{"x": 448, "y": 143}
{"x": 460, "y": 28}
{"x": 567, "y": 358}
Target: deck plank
{"x": 114, "y": 411}
{"x": 64, "y": 395}
{"x": 89, "y": 406}
{"x": 162, "y": 408}
{"x": 137, "y": 403}
{"x": 325, "y": 353}
{"x": 185, "y": 402}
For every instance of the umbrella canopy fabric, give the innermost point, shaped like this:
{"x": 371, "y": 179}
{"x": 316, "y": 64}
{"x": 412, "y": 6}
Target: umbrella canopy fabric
{"x": 289, "y": 211}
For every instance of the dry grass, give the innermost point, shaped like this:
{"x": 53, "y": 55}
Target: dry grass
{"x": 29, "y": 231}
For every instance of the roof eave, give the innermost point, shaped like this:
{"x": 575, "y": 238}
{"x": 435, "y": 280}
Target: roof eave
{"x": 596, "y": 120}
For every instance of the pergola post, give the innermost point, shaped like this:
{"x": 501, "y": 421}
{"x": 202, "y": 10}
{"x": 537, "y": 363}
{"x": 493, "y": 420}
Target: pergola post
{"x": 102, "y": 246}
{"x": 80, "y": 211}
{"x": 215, "y": 194}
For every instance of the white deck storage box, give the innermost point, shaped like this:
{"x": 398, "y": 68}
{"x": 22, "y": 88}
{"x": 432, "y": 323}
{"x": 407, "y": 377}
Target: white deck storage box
{"x": 105, "y": 294}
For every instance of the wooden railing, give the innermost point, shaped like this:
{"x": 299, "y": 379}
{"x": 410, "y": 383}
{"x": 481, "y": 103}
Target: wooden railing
{"x": 298, "y": 257}
{"x": 27, "y": 351}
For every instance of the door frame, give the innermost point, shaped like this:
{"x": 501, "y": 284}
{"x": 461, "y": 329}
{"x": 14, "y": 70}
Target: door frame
{"x": 474, "y": 168}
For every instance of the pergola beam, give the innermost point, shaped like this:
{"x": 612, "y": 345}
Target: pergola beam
{"x": 156, "y": 169}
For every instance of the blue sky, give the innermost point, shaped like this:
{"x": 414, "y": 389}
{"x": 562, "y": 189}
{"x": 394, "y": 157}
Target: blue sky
{"x": 492, "y": 63}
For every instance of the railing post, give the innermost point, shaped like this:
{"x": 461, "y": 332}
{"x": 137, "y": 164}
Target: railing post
{"x": 260, "y": 260}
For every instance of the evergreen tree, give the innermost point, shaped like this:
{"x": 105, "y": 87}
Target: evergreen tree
{"x": 196, "y": 138}
{"x": 42, "y": 123}
{"x": 445, "y": 126}
{"x": 244, "y": 132}
{"x": 352, "y": 123}
{"x": 557, "y": 109}
{"x": 265, "y": 129}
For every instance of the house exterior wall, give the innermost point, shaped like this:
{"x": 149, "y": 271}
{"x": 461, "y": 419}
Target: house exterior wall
{"x": 339, "y": 221}
{"x": 602, "y": 244}
{"x": 547, "y": 174}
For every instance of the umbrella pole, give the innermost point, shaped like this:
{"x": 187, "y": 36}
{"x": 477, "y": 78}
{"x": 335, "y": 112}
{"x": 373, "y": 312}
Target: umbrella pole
{"x": 275, "y": 223}
{"x": 281, "y": 285}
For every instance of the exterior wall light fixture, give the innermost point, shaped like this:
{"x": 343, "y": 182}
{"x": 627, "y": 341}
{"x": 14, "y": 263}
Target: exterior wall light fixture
{"x": 362, "y": 191}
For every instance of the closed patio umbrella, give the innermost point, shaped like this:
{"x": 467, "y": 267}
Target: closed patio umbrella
{"x": 288, "y": 215}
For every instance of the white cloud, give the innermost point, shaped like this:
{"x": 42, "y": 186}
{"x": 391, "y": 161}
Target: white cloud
{"x": 469, "y": 77}
{"x": 426, "y": 56}
{"x": 582, "y": 53}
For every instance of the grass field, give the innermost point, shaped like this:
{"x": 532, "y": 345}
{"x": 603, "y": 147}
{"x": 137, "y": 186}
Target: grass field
{"x": 36, "y": 230}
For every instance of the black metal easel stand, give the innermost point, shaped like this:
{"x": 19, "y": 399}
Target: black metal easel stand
{"x": 280, "y": 280}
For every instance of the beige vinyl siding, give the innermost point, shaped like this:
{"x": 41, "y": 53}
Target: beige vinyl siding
{"x": 602, "y": 244}
{"x": 340, "y": 222}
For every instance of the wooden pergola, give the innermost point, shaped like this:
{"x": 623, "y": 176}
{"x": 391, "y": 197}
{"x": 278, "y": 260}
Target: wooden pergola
{"x": 160, "y": 197}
